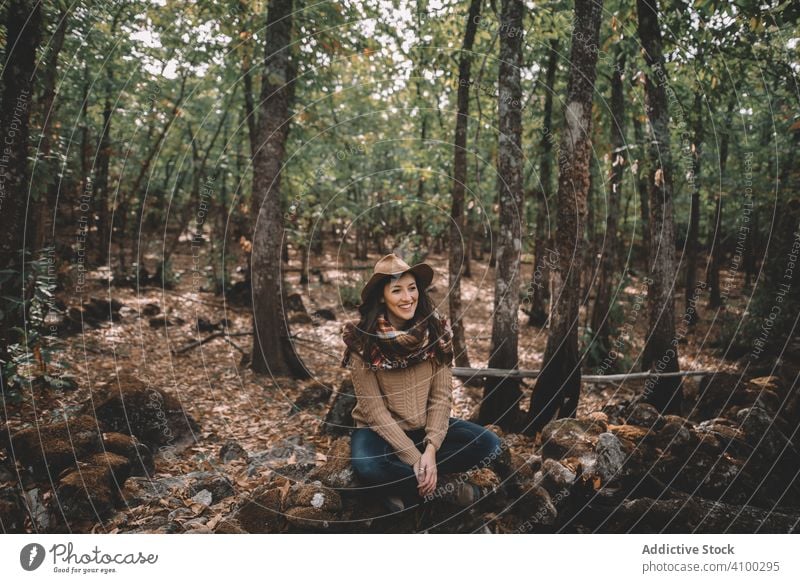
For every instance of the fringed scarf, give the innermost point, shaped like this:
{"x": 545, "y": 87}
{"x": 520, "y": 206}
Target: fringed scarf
{"x": 395, "y": 348}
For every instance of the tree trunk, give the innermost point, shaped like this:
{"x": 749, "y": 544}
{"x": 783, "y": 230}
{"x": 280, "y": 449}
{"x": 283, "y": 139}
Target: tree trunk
{"x": 501, "y": 396}
{"x": 100, "y": 192}
{"x": 362, "y": 243}
{"x": 469, "y": 227}
{"x": 558, "y": 386}
{"x": 641, "y": 187}
{"x": 86, "y": 148}
{"x": 750, "y": 250}
{"x": 540, "y": 279}
{"x": 661, "y": 349}
{"x": 273, "y": 351}
{"x": 458, "y": 256}
{"x": 23, "y": 22}
{"x": 590, "y": 262}
{"x": 588, "y": 246}
{"x": 48, "y": 167}
{"x": 715, "y": 233}
{"x": 600, "y": 323}
{"x": 133, "y": 192}
{"x": 692, "y": 244}
{"x": 247, "y": 76}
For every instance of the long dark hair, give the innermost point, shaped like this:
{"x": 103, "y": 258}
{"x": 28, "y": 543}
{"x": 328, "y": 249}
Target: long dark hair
{"x": 371, "y": 308}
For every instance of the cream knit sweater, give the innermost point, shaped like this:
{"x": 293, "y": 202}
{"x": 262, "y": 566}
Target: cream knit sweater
{"x": 391, "y": 401}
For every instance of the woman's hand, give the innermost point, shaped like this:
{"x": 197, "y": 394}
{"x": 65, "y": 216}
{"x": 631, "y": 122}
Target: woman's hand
{"x": 425, "y": 470}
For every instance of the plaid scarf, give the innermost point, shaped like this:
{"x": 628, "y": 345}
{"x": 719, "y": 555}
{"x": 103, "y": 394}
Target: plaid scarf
{"x": 398, "y": 348}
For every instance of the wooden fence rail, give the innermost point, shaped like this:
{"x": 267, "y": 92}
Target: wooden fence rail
{"x": 471, "y": 373}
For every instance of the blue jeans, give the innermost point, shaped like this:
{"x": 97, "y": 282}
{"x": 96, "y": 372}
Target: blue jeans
{"x": 466, "y": 446}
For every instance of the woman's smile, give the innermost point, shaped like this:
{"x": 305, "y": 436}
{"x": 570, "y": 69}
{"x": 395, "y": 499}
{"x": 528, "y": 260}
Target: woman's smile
{"x": 401, "y": 297}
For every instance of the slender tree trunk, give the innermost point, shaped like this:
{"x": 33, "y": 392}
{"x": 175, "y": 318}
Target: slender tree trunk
{"x": 249, "y": 106}
{"x": 661, "y": 349}
{"x": 469, "y": 228}
{"x": 691, "y": 307}
{"x": 273, "y": 351}
{"x": 715, "y": 232}
{"x": 458, "y": 256}
{"x": 86, "y": 148}
{"x": 751, "y": 249}
{"x": 23, "y": 33}
{"x": 303, "y": 251}
{"x": 641, "y": 187}
{"x": 540, "y": 279}
{"x": 501, "y": 396}
{"x": 100, "y": 191}
{"x": 600, "y": 323}
{"x": 126, "y": 200}
{"x": 589, "y": 244}
{"x": 47, "y": 166}
{"x": 558, "y": 386}
{"x": 361, "y": 243}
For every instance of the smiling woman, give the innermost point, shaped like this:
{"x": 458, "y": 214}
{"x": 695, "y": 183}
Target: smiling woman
{"x": 400, "y": 355}
{"x": 401, "y": 298}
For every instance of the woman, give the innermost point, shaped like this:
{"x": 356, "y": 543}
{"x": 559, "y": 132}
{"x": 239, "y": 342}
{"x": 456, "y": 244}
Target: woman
{"x": 400, "y": 355}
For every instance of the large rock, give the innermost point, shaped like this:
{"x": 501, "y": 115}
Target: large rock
{"x": 675, "y": 435}
{"x": 731, "y": 437}
{"x": 137, "y": 453}
{"x": 139, "y": 490}
{"x": 339, "y": 420}
{"x": 216, "y": 486}
{"x": 569, "y": 437}
{"x": 119, "y": 466}
{"x": 232, "y": 450}
{"x": 290, "y": 450}
{"x": 96, "y": 311}
{"x": 262, "y": 512}
{"x": 555, "y": 478}
{"x": 696, "y": 515}
{"x": 88, "y": 492}
{"x": 12, "y": 510}
{"x": 771, "y": 383}
{"x": 519, "y": 473}
{"x": 314, "y": 495}
{"x": 47, "y": 450}
{"x": 610, "y": 457}
{"x": 644, "y": 415}
{"x": 532, "y": 510}
{"x": 154, "y": 416}
{"x": 292, "y": 472}
{"x": 313, "y": 395}
{"x": 337, "y": 472}
{"x": 712, "y": 477}
{"x": 718, "y": 393}
{"x": 39, "y": 509}
{"x": 310, "y": 518}
{"x": 760, "y": 431}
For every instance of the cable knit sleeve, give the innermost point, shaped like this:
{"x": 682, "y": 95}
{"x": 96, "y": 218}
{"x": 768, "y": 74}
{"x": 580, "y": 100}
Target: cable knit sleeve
{"x": 440, "y": 402}
{"x": 380, "y": 420}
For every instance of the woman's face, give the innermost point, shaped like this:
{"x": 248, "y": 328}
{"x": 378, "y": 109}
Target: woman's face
{"x": 401, "y": 297}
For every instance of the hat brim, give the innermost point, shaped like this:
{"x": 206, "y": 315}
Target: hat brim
{"x": 423, "y": 273}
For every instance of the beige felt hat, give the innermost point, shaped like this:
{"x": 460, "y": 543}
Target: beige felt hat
{"x": 393, "y": 265}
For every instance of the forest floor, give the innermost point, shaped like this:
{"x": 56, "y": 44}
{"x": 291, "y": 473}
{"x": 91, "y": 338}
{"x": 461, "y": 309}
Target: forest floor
{"x": 231, "y": 403}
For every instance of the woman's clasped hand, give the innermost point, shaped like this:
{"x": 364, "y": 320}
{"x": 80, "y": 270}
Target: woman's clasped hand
{"x": 425, "y": 470}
